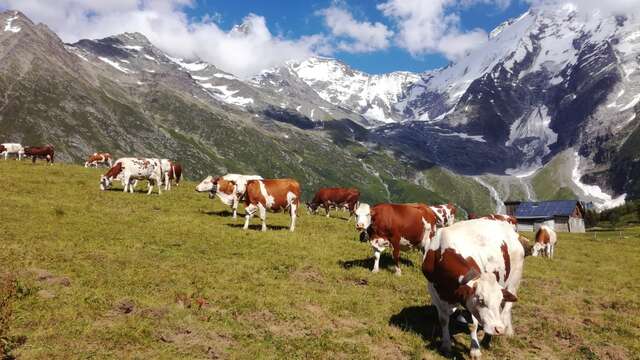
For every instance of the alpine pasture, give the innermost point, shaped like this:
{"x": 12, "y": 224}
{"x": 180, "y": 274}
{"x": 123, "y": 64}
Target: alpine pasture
{"x": 91, "y": 274}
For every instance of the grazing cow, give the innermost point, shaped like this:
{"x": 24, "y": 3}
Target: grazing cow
{"x": 99, "y": 158}
{"x": 546, "y": 240}
{"x": 337, "y": 197}
{"x": 175, "y": 173}
{"x": 229, "y": 188}
{"x": 445, "y": 214}
{"x": 166, "y": 168}
{"x": 397, "y": 225}
{"x": 130, "y": 169}
{"x": 478, "y": 264}
{"x": 271, "y": 194}
{"x": 11, "y": 148}
{"x": 44, "y": 152}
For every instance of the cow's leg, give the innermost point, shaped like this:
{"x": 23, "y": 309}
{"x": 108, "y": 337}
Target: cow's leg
{"x": 505, "y": 315}
{"x": 475, "y": 344}
{"x": 396, "y": 259}
{"x": 444, "y": 312}
{"x": 263, "y": 216}
{"x": 249, "y": 212}
{"x": 33, "y": 159}
{"x": 294, "y": 215}
{"x": 235, "y": 207}
{"x": 150, "y": 187}
{"x": 327, "y": 208}
{"x": 157, "y": 181}
{"x": 377, "y": 251}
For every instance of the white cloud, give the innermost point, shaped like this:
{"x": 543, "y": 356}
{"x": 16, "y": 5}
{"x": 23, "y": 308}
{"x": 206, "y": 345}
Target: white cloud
{"x": 243, "y": 51}
{"x": 363, "y": 36}
{"x": 432, "y": 27}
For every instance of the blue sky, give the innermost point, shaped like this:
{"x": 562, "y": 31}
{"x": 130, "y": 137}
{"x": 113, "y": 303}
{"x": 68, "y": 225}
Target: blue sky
{"x": 374, "y": 36}
{"x": 292, "y": 19}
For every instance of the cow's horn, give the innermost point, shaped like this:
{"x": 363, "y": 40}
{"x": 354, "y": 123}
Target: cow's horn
{"x": 470, "y": 275}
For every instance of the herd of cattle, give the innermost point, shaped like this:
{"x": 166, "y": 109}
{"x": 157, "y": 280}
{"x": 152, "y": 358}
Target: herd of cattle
{"x": 476, "y": 263}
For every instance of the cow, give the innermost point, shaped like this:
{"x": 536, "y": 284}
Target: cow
{"x": 11, "y": 148}
{"x": 545, "y": 243}
{"x": 44, "y": 152}
{"x": 337, "y": 197}
{"x": 399, "y": 226}
{"x": 175, "y": 172}
{"x": 229, "y": 188}
{"x": 130, "y": 169}
{"x": 478, "y": 264}
{"x": 169, "y": 172}
{"x": 99, "y": 158}
{"x": 445, "y": 214}
{"x": 271, "y": 194}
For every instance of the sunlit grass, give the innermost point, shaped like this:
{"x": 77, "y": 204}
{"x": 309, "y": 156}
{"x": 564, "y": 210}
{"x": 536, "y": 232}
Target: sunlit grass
{"x": 173, "y": 276}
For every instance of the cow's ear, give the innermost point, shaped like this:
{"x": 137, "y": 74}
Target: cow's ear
{"x": 508, "y": 296}
{"x": 472, "y": 274}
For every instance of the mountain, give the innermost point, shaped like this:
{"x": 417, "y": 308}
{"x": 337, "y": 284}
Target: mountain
{"x": 121, "y": 94}
{"x": 546, "y": 109}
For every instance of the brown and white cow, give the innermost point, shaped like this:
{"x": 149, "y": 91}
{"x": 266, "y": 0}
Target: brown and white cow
{"x": 271, "y": 194}
{"x": 335, "y": 197}
{"x": 478, "y": 264}
{"x": 7, "y": 149}
{"x": 445, "y": 214}
{"x": 545, "y": 243}
{"x": 175, "y": 172}
{"x": 399, "y": 226}
{"x": 44, "y": 152}
{"x": 229, "y": 188}
{"x": 99, "y": 158}
{"x": 130, "y": 169}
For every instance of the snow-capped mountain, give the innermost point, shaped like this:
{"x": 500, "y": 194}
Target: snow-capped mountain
{"x": 373, "y": 96}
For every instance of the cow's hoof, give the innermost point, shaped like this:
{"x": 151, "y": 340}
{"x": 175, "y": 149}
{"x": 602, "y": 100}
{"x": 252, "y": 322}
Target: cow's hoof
{"x": 445, "y": 350}
{"x": 375, "y": 270}
{"x": 486, "y": 341}
{"x": 398, "y": 272}
{"x": 475, "y": 354}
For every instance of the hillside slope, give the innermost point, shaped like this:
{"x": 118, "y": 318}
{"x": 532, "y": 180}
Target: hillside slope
{"x": 173, "y": 276}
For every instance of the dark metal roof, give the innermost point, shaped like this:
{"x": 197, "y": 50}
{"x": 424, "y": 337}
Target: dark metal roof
{"x": 545, "y": 209}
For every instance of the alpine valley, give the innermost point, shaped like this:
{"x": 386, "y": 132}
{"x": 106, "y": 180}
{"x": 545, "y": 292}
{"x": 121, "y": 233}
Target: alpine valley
{"x": 547, "y": 109}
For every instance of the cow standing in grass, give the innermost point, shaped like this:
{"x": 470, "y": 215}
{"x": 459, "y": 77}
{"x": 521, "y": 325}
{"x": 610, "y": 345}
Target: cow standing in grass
{"x": 399, "y": 226}
{"x": 43, "y": 152}
{"x": 445, "y": 214}
{"x": 478, "y": 264}
{"x": 545, "y": 242}
{"x": 229, "y": 188}
{"x": 99, "y": 158}
{"x": 7, "y": 149}
{"x": 170, "y": 170}
{"x": 335, "y": 197}
{"x": 131, "y": 169}
{"x": 271, "y": 194}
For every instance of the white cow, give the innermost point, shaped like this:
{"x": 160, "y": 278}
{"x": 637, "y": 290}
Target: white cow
{"x": 229, "y": 195}
{"x": 134, "y": 169}
{"x": 478, "y": 264}
{"x": 11, "y": 148}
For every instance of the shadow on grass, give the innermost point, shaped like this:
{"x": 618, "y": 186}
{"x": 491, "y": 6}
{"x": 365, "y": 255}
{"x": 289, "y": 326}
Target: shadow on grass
{"x": 386, "y": 262}
{"x": 221, "y": 213}
{"x": 259, "y": 227}
{"x": 423, "y": 321}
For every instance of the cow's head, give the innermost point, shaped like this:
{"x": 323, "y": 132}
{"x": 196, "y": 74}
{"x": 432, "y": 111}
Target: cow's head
{"x": 363, "y": 216}
{"x": 312, "y": 208}
{"x": 484, "y": 299}
{"x": 537, "y": 249}
{"x": 2, "y": 149}
{"x": 105, "y": 183}
{"x": 205, "y": 185}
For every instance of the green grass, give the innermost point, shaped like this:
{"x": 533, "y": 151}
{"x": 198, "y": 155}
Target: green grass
{"x": 169, "y": 277}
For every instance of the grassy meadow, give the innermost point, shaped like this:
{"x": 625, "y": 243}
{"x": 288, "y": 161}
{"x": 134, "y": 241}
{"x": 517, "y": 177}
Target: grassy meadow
{"x": 91, "y": 274}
